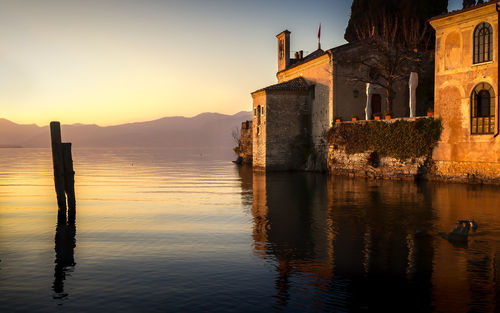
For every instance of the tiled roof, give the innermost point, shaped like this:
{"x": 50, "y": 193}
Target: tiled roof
{"x": 307, "y": 58}
{"x": 464, "y": 10}
{"x": 317, "y": 54}
{"x": 299, "y": 83}
{"x": 345, "y": 46}
{"x": 296, "y": 84}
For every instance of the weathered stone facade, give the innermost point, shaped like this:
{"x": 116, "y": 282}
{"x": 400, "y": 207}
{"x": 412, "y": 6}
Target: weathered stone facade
{"x": 259, "y": 130}
{"x": 245, "y": 151}
{"x": 466, "y": 68}
{"x": 361, "y": 165}
{"x": 465, "y": 172}
{"x": 281, "y": 124}
{"x": 317, "y": 73}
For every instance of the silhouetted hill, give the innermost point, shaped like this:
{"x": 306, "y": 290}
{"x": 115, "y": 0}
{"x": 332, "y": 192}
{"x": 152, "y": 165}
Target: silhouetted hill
{"x": 203, "y": 130}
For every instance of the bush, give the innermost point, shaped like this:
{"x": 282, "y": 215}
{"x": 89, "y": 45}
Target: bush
{"x": 402, "y": 139}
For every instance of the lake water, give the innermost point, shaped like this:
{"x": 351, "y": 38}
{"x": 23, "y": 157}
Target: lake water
{"x": 188, "y": 231}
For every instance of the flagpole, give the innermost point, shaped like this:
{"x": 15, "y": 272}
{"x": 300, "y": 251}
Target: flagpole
{"x": 319, "y": 36}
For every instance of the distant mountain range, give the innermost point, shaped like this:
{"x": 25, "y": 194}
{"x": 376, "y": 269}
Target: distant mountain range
{"x": 203, "y": 130}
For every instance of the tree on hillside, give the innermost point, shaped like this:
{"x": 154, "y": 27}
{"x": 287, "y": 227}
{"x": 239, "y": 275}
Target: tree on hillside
{"x": 399, "y": 9}
{"x": 396, "y": 40}
{"x": 391, "y": 48}
{"x": 468, "y": 3}
{"x": 236, "y": 135}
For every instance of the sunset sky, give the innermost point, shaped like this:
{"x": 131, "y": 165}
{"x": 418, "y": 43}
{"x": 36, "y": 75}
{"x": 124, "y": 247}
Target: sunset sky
{"x": 113, "y": 61}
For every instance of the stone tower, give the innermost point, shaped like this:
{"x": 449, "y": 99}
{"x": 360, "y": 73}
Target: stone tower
{"x": 283, "y": 50}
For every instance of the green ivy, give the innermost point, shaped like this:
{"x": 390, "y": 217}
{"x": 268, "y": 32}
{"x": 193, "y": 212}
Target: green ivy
{"x": 402, "y": 139}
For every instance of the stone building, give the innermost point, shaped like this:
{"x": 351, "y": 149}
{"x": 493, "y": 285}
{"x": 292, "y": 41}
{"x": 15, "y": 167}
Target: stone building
{"x": 466, "y": 92}
{"x": 281, "y": 126}
{"x": 244, "y": 151}
{"x": 290, "y": 119}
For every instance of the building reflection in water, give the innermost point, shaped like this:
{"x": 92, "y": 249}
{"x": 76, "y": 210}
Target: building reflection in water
{"x": 292, "y": 227}
{"x": 351, "y": 244}
{"x": 246, "y": 173}
{"x": 65, "y": 244}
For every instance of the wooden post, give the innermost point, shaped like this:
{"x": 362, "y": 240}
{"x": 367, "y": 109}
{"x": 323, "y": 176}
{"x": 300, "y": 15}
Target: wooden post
{"x": 58, "y": 163}
{"x": 64, "y": 175}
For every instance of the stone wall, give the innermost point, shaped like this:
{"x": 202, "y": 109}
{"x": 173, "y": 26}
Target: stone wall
{"x": 466, "y": 172}
{"x": 281, "y": 131}
{"x": 287, "y": 136}
{"x": 245, "y": 152}
{"x": 259, "y": 131}
{"x": 367, "y": 164}
{"x": 316, "y": 72}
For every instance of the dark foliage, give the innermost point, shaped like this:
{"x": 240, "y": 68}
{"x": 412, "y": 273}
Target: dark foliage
{"x": 402, "y": 139}
{"x": 468, "y": 3}
{"x": 397, "y": 40}
{"x": 403, "y": 9}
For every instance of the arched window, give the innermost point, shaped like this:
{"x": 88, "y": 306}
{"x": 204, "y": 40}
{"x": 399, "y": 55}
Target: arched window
{"x": 483, "y": 110}
{"x": 483, "y": 43}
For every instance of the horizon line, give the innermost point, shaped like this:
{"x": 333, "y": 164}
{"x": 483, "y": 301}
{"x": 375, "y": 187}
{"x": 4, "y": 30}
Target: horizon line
{"x": 125, "y": 123}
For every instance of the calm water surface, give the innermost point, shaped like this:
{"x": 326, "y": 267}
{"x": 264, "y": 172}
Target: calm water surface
{"x": 171, "y": 231}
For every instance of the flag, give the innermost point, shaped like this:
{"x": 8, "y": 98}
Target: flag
{"x": 319, "y": 32}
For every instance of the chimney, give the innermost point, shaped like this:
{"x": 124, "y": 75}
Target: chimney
{"x": 296, "y": 55}
{"x": 301, "y": 54}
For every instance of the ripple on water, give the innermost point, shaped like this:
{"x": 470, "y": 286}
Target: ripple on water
{"x": 161, "y": 230}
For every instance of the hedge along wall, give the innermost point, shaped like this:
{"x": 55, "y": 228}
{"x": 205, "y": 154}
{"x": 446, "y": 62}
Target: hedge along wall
{"x": 401, "y": 139}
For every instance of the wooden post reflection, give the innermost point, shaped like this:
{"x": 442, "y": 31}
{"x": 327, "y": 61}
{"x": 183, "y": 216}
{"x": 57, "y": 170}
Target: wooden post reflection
{"x": 64, "y": 247}
{"x": 69, "y": 180}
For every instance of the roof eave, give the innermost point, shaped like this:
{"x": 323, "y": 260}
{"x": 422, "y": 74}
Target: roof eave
{"x": 458, "y": 12}
{"x": 302, "y": 63}
{"x": 286, "y": 31}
